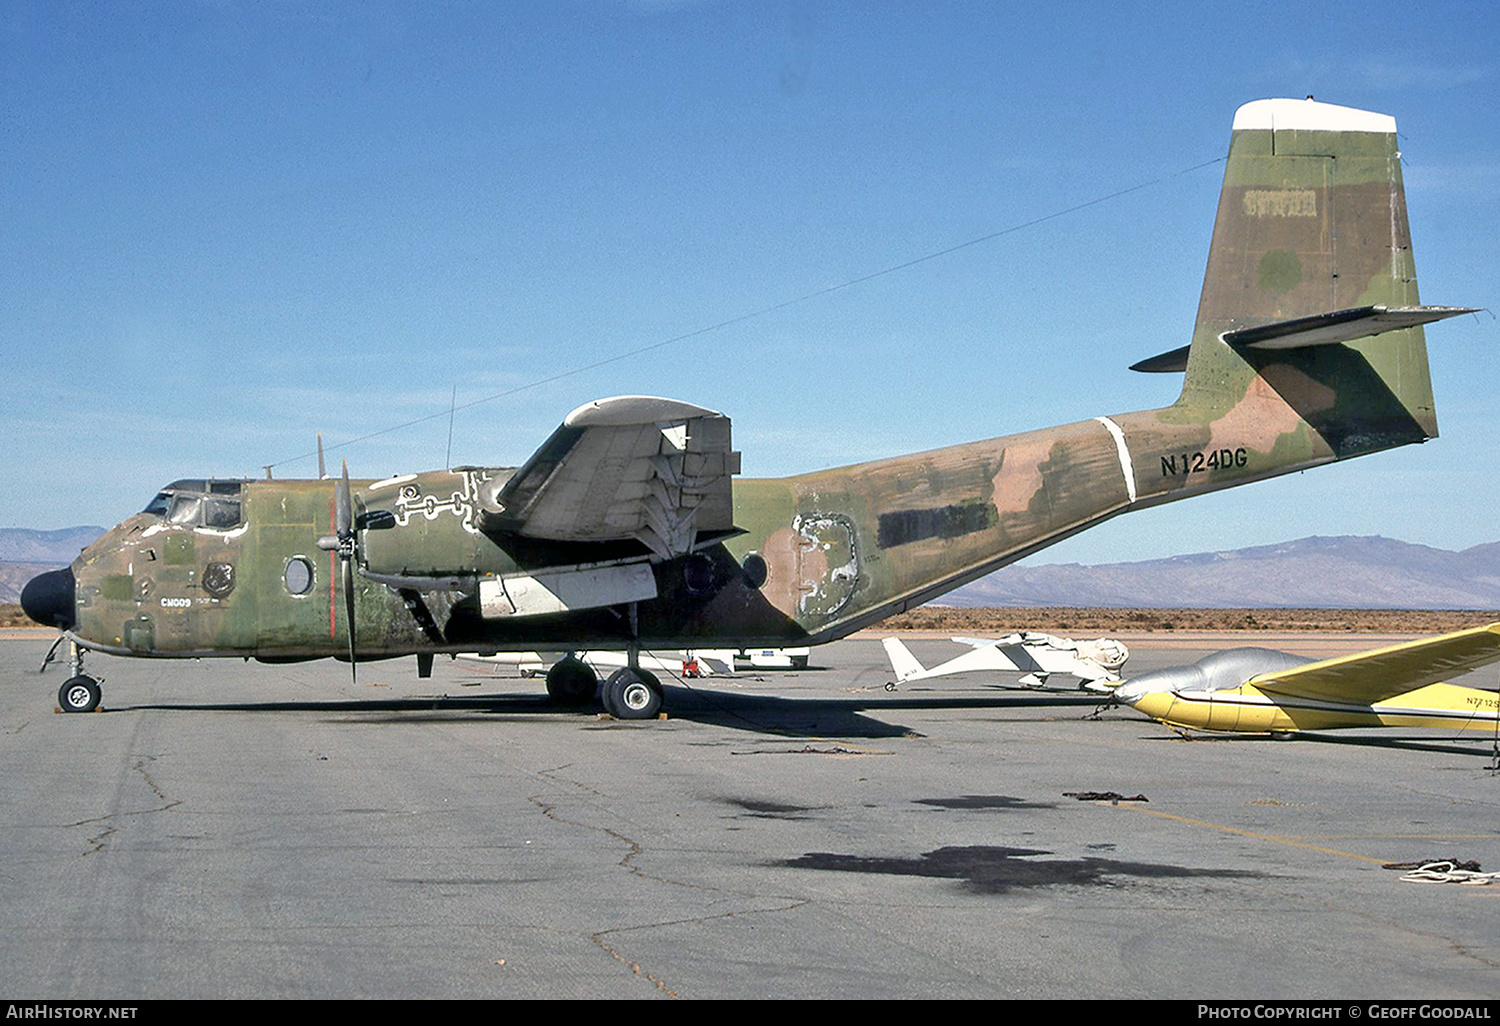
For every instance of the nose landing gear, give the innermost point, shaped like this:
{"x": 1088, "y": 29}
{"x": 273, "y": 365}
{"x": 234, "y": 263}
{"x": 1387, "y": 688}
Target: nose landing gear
{"x": 80, "y": 693}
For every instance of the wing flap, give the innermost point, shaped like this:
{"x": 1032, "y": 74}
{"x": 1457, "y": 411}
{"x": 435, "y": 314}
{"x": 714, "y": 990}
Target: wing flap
{"x": 1385, "y": 672}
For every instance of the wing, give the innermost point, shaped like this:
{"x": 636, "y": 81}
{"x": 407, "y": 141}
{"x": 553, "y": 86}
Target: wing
{"x": 1385, "y": 672}
{"x": 633, "y": 467}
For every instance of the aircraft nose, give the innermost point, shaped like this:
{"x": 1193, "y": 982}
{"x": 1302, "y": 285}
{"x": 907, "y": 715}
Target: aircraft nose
{"x": 48, "y": 598}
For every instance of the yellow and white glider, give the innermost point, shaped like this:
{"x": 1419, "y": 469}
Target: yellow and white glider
{"x": 1256, "y": 690}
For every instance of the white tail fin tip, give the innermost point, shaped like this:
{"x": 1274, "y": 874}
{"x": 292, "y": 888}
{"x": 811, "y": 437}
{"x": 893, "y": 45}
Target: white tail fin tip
{"x": 1309, "y": 116}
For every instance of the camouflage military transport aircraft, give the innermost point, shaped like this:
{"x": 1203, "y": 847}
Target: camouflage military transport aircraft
{"x": 627, "y": 530}
{"x": 1257, "y": 690}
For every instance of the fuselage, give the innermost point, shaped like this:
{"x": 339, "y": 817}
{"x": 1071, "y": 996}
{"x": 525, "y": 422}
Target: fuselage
{"x": 235, "y": 568}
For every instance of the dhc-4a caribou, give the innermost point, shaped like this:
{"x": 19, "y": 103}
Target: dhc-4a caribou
{"x": 629, "y": 529}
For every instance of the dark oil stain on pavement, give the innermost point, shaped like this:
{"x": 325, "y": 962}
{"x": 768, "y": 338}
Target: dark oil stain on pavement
{"x": 988, "y": 869}
{"x": 769, "y": 810}
{"x": 979, "y": 802}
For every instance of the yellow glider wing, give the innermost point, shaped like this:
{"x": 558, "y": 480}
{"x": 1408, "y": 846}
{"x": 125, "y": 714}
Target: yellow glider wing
{"x": 1386, "y": 672}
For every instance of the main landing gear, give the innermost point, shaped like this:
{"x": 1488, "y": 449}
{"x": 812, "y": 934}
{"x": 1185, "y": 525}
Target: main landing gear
{"x": 632, "y": 694}
{"x": 80, "y": 693}
{"x": 629, "y": 693}
{"x": 571, "y": 681}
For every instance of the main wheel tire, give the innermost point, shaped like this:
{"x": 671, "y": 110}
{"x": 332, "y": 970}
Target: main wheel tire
{"x": 570, "y": 681}
{"x": 632, "y": 695}
{"x": 79, "y": 695}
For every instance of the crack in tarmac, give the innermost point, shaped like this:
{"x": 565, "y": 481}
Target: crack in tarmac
{"x": 140, "y": 767}
{"x": 812, "y": 749}
{"x": 1455, "y": 946}
{"x": 634, "y": 848}
{"x": 99, "y": 841}
{"x": 635, "y": 967}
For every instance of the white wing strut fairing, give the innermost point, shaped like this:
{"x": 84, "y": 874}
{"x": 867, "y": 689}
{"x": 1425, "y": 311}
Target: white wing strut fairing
{"x": 687, "y": 663}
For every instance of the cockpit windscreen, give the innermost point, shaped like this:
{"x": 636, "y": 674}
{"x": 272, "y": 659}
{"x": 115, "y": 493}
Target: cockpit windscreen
{"x": 199, "y": 503}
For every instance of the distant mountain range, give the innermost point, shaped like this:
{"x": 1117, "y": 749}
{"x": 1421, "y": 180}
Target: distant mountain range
{"x": 1342, "y": 572}
{"x": 48, "y": 548}
{"x": 1311, "y": 573}
{"x": 25, "y": 553}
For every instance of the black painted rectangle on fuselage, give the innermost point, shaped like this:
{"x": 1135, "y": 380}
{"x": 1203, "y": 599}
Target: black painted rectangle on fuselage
{"x": 904, "y": 526}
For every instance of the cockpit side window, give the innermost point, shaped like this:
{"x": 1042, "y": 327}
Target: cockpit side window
{"x": 221, "y": 514}
{"x": 158, "y": 506}
{"x": 187, "y": 509}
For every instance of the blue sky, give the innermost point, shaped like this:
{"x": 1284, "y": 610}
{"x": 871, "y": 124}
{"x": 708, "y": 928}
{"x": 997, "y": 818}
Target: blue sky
{"x": 228, "y": 225}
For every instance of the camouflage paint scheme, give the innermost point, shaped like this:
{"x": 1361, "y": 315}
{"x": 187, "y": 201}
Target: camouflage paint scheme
{"x": 1311, "y": 220}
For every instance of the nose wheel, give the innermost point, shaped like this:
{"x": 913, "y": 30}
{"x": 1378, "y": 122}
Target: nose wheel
{"x": 79, "y": 694}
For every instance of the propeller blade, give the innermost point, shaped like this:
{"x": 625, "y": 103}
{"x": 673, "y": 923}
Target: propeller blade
{"x": 348, "y": 562}
{"x": 344, "y": 511}
{"x": 343, "y": 519}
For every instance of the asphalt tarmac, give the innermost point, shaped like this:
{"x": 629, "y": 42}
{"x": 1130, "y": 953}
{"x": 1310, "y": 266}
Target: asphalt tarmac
{"x": 224, "y": 830}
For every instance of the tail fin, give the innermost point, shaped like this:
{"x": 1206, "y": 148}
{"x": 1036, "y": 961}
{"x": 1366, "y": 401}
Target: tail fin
{"x": 903, "y": 663}
{"x": 1309, "y": 348}
{"x": 1311, "y": 249}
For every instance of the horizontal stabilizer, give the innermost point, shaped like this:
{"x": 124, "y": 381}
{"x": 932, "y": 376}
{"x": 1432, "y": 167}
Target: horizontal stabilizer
{"x": 1339, "y": 326}
{"x": 1174, "y": 362}
{"x": 1032, "y": 653}
{"x": 1318, "y": 330}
